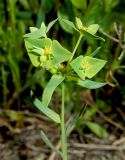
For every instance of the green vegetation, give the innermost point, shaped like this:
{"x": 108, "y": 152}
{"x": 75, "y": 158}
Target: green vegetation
{"x": 51, "y": 56}
{"x": 82, "y": 57}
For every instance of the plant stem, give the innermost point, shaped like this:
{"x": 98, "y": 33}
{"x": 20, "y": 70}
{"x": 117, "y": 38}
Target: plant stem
{"x": 63, "y": 132}
{"x": 76, "y": 46}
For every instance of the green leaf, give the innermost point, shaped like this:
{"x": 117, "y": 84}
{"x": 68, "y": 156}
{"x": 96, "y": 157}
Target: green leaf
{"x": 96, "y": 51}
{"x": 71, "y": 77}
{"x": 63, "y": 15}
{"x": 33, "y": 29}
{"x": 60, "y": 54}
{"x": 14, "y": 66}
{"x": 25, "y": 4}
{"x": 76, "y": 65}
{"x": 38, "y": 51}
{"x": 90, "y": 84}
{"x": 41, "y": 15}
{"x": 48, "y": 142}
{"x": 75, "y": 119}
{"x": 88, "y": 31}
{"x": 33, "y": 56}
{"x": 71, "y": 24}
{"x": 45, "y": 110}
{"x": 92, "y": 66}
{"x": 80, "y": 4}
{"x": 93, "y": 28}
{"x": 49, "y": 89}
{"x": 38, "y": 33}
{"x": 88, "y": 35}
{"x": 34, "y": 47}
{"x": 38, "y": 43}
{"x": 87, "y": 66}
{"x": 90, "y": 112}
{"x": 97, "y": 129}
{"x": 79, "y": 23}
{"x": 51, "y": 24}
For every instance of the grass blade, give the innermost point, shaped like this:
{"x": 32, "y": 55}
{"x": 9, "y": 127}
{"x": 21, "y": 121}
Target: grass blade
{"x": 48, "y": 143}
{"x": 75, "y": 119}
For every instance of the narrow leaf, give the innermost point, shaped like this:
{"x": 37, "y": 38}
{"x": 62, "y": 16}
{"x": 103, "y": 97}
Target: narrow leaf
{"x": 97, "y": 129}
{"x": 79, "y": 23}
{"x": 96, "y": 51}
{"x": 89, "y": 35}
{"x": 48, "y": 142}
{"x": 80, "y": 4}
{"x": 45, "y": 110}
{"x": 14, "y": 66}
{"x": 90, "y": 84}
{"x": 71, "y": 24}
{"x": 49, "y": 89}
{"x": 38, "y": 33}
{"x": 51, "y": 24}
{"x": 73, "y": 78}
{"x": 75, "y": 119}
{"x": 63, "y": 15}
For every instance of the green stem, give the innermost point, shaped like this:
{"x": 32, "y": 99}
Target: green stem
{"x": 76, "y": 46}
{"x": 63, "y": 132}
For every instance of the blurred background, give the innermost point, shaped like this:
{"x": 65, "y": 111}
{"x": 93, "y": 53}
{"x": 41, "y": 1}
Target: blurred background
{"x": 104, "y": 115}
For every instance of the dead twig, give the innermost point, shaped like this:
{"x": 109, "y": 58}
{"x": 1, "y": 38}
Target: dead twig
{"x": 119, "y": 141}
{"x": 11, "y": 129}
{"x": 109, "y": 36}
{"x": 80, "y": 146}
{"x": 110, "y": 121}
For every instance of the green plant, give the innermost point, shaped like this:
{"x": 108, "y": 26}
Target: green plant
{"x": 16, "y": 17}
{"x": 64, "y": 66}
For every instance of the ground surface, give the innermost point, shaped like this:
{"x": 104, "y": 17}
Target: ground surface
{"x": 21, "y": 141}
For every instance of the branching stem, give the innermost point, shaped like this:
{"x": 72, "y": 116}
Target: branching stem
{"x": 76, "y": 46}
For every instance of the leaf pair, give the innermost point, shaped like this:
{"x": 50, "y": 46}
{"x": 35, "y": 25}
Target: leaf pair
{"x": 45, "y": 52}
{"x": 92, "y": 29}
{"x": 88, "y": 31}
{"x": 86, "y": 66}
{"x": 40, "y": 32}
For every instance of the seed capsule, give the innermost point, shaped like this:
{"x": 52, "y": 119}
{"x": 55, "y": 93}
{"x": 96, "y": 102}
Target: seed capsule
{"x": 53, "y": 69}
{"x": 43, "y": 58}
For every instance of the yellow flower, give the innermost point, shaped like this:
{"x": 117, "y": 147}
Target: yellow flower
{"x": 86, "y": 65}
{"x": 48, "y": 50}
